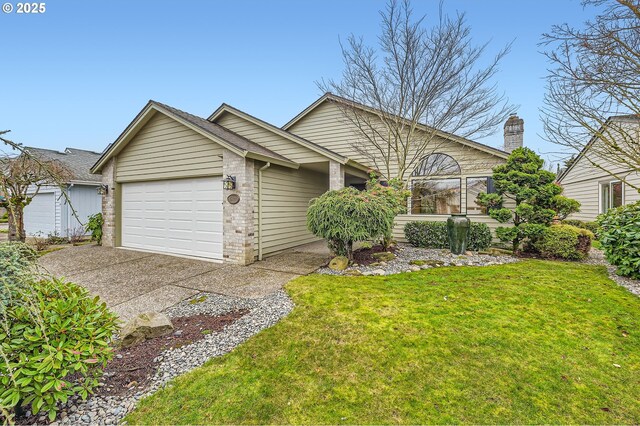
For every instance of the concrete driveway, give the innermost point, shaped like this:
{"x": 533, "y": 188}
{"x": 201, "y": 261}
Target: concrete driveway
{"x": 131, "y": 282}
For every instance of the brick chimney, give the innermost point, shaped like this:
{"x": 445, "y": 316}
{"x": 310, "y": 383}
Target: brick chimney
{"x": 513, "y": 133}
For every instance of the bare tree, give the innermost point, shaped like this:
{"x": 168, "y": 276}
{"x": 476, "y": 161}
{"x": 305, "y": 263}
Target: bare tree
{"x": 425, "y": 84}
{"x": 593, "y": 87}
{"x": 21, "y": 178}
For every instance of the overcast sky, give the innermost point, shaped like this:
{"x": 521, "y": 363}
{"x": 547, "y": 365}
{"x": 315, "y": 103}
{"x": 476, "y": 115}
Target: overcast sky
{"x": 76, "y": 75}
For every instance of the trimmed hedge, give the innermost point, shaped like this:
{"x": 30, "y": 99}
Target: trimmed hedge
{"x": 564, "y": 242}
{"x": 434, "y": 235}
{"x": 620, "y": 238}
{"x": 591, "y": 226}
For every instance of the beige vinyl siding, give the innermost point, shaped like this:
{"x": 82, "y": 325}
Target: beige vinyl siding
{"x": 327, "y": 126}
{"x": 166, "y": 149}
{"x": 285, "y": 197}
{"x": 270, "y": 140}
{"x": 582, "y": 183}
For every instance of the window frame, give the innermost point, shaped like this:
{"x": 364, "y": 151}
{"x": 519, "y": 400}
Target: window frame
{"x": 466, "y": 193}
{"x": 419, "y": 178}
{"x": 609, "y": 186}
{"x": 433, "y": 154}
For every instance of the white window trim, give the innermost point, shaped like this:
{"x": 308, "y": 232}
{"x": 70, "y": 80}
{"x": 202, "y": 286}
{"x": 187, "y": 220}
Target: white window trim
{"x": 609, "y": 184}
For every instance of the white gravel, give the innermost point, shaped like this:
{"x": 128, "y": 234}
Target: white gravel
{"x": 435, "y": 258}
{"x": 263, "y": 313}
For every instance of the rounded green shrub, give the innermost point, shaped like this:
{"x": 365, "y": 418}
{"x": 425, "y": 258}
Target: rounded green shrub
{"x": 54, "y": 342}
{"x": 345, "y": 216}
{"x": 434, "y": 235}
{"x": 620, "y": 238}
{"x": 564, "y": 242}
{"x": 591, "y": 226}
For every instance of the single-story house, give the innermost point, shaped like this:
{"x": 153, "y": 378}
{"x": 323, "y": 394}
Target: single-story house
{"x": 235, "y": 188}
{"x": 50, "y": 211}
{"x": 589, "y": 179}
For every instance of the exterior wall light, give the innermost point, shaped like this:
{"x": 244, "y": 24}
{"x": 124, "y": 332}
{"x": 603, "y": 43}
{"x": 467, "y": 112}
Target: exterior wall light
{"x": 103, "y": 189}
{"x": 229, "y": 183}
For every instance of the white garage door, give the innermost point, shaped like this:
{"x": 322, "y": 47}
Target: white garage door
{"x": 182, "y": 216}
{"x": 40, "y": 215}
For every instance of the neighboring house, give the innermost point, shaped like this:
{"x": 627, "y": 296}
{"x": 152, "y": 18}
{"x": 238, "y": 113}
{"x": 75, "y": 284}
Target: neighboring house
{"x": 596, "y": 189}
{"x": 235, "y": 188}
{"x": 51, "y": 212}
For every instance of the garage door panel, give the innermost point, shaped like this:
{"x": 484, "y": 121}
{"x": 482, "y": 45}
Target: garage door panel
{"x": 40, "y": 215}
{"x": 182, "y": 216}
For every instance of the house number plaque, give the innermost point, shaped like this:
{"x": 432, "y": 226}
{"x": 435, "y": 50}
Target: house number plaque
{"x": 233, "y": 199}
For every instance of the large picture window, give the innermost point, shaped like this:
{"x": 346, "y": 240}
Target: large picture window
{"x": 437, "y": 165}
{"x": 476, "y": 185}
{"x": 611, "y": 195}
{"x": 435, "y": 196}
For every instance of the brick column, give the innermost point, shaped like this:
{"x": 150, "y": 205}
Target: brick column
{"x": 238, "y": 218}
{"x": 109, "y": 205}
{"x": 336, "y": 175}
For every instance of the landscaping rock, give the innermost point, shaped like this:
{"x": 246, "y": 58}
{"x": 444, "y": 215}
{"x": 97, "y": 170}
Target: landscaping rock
{"x": 145, "y": 326}
{"x": 378, "y": 272}
{"x": 339, "y": 263}
{"x": 414, "y": 268}
{"x": 353, "y": 272}
{"x": 407, "y": 256}
{"x": 384, "y": 256}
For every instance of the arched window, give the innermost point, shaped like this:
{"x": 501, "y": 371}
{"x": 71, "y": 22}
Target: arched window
{"x": 437, "y": 165}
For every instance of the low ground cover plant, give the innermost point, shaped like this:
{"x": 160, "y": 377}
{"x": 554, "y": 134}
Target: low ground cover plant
{"x": 54, "y": 337}
{"x": 620, "y": 238}
{"x": 434, "y": 235}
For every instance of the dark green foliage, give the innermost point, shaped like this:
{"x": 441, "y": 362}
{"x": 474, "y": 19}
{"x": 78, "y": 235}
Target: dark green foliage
{"x": 54, "y": 337}
{"x": 347, "y": 215}
{"x": 591, "y": 226}
{"x": 564, "y": 242}
{"x": 537, "y": 197}
{"x": 479, "y": 237}
{"x": 434, "y": 235}
{"x": 620, "y": 238}
{"x": 94, "y": 225}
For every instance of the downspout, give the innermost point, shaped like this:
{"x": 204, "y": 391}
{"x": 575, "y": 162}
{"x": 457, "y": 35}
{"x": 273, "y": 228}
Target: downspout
{"x": 260, "y": 170}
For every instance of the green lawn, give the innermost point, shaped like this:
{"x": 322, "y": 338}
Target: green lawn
{"x": 533, "y": 342}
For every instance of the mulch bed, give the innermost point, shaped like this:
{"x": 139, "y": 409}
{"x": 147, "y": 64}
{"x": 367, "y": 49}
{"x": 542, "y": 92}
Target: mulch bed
{"x": 365, "y": 256}
{"x": 132, "y": 367}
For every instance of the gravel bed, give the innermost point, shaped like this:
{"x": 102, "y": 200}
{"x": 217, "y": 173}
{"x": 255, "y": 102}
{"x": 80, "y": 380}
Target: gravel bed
{"x": 263, "y": 313}
{"x": 596, "y": 257}
{"x": 433, "y": 258}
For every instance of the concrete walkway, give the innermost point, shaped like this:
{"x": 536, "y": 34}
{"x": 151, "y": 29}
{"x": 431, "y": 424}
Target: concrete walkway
{"x": 131, "y": 282}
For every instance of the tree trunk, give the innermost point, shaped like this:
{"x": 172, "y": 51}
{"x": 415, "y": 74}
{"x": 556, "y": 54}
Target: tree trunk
{"x": 16, "y": 223}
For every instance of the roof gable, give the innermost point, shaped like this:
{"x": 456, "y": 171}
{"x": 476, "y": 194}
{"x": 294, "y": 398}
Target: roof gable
{"x": 224, "y": 108}
{"x": 210, "y": 130}
{"x": 329, "y": 97}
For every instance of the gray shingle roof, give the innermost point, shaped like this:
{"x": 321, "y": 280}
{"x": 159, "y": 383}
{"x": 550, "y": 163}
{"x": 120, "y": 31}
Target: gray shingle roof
{"x": 222, "y": 132}
{"x": 77, "y": 161}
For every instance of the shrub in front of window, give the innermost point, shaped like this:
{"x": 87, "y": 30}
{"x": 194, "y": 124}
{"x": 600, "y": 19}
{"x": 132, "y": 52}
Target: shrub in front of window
{"x": 434, "y": 235}
{"x": 620, "y": 238}
{"x": 564, "y": 242}
{"x": 54, "y": 338}
{"x": 345, "y": 216}
{"x": 537, "y": 198}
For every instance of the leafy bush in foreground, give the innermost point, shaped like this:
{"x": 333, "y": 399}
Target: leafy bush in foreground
{"x": 620, "y": 238}
{"x": 434, "y": 235}
{"x": 591, "y": 226}
{"x": 54, "y": 337}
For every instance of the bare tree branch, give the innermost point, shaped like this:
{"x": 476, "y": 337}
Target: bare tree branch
{"x": 593, "y": 88}
{"x": 420, "y": 81}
